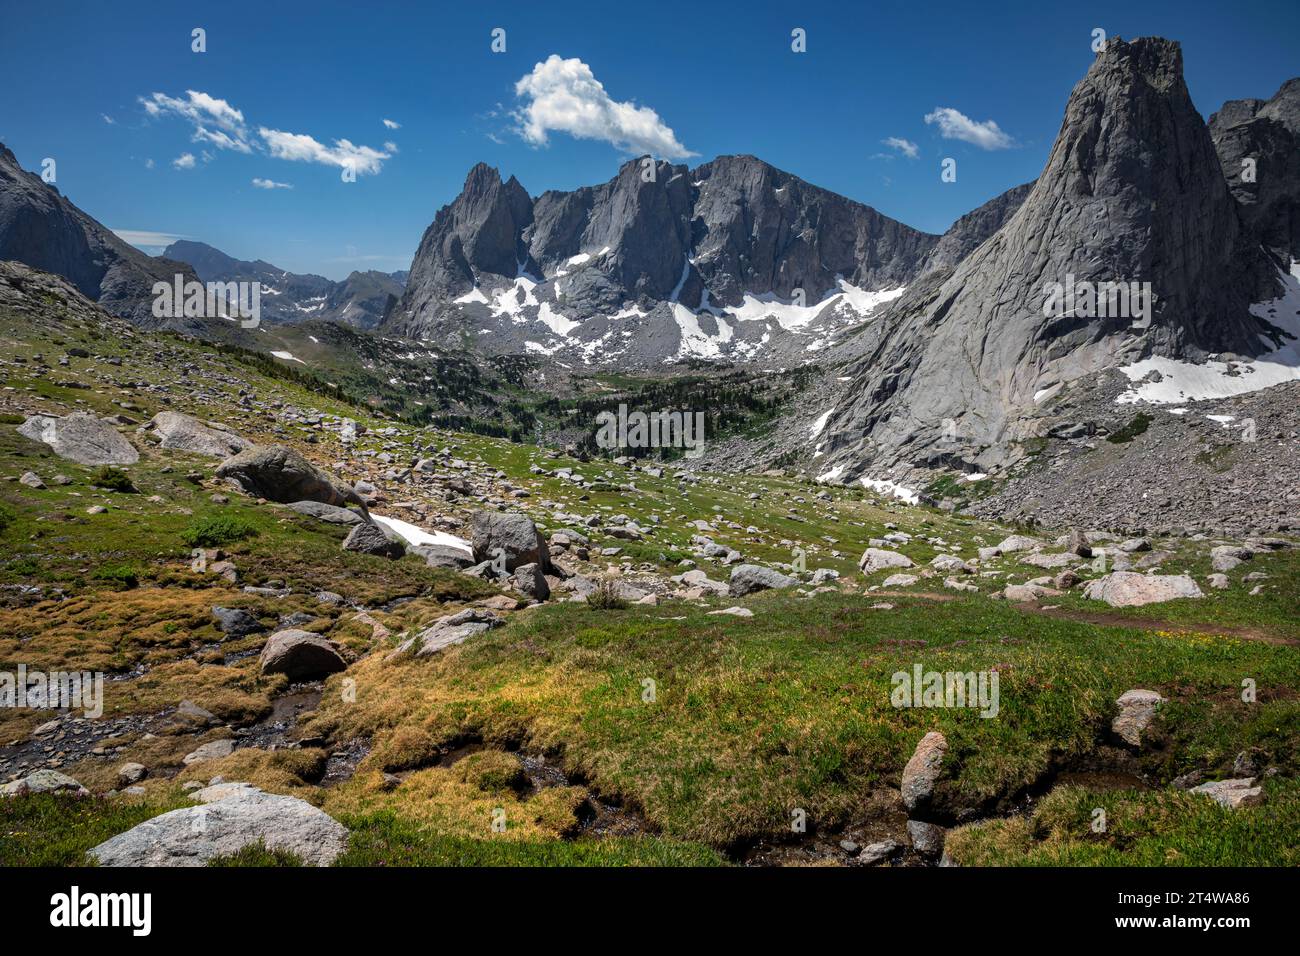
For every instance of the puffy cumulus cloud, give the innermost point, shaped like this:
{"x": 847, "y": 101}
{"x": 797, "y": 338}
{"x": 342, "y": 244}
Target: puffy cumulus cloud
{"x": 955, "y": 125}
{"x": 184, "y": 161}
{"x": 904, "y": 146}
{"x": 303, "y": 148}
{"x": 564, "y": 96}
{"x": 270, "y": 184}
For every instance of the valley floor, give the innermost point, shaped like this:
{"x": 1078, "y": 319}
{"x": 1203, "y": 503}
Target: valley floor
{"x": 672, "y": 724}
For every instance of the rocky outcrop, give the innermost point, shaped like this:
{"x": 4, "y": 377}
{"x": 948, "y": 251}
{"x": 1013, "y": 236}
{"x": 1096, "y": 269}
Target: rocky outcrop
{"x": 40, "y": 227}
{"x": 1132, "y": 193}
{"x": 80, "y": 437}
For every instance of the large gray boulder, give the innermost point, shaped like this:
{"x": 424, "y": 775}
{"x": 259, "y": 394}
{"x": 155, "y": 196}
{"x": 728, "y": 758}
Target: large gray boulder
{"x": 81, "y": 438}
{"x": 278, "y": 473}
{"x": 516, "y": 537}
{"x": 329, "y": 513}
{"x": 43, "y": 781}
{"x": 300, "y": 655}
{"x": 230, "y": 817}
{"x": 449, "y": 631}
{"x": 878, "y": 559}
{"x": 1137, "y": 710}
{"x": 443, "y": 556}
{"x": 748, "y": 578}
{"x": 371, "y": 538}
{"x": 182, "y": 433}
{"x": 1130, "y": 589}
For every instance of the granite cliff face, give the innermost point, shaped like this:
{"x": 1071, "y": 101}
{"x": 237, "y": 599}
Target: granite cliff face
{"x": 1258, "y": 142}
{"x": 41, "y": 228}
{"x": 662, "y": 263}
{"x": 1132, "y": 193}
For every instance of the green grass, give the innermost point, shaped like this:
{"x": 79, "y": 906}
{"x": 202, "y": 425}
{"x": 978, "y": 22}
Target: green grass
{"x": 50, "y": 829}
{"x": 384, "y": 839}
{"x": 791, "y": 708}
{"x": 1142, "y": 828}
{"x": 215, "y": 530}
{"x": 1135, "y": 426}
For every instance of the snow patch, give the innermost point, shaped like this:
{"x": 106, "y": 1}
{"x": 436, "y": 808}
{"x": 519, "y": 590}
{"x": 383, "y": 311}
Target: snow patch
{"x": 417, "y": 536}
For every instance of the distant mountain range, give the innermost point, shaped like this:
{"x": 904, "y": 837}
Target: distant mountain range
{"x": 361, "y": 300}
{"x": 734, "y": 260}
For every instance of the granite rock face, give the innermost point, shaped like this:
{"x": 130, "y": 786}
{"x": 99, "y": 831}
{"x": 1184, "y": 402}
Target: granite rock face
{"x": 1266, "y": 132}
{"x": 652, "y": 265}
{"x": 1132, "y": 192}
{"x": 40, "y": 227}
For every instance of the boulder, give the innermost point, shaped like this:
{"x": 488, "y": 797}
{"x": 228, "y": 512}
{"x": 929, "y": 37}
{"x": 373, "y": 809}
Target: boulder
{"x": 950, "y": 562}
{"x": 212, "y": 750}
{"x": 1076, "y": 542}
{"x": 182, "y": 433}
{"x": 1232, "y": 794}
{"x": 443, "y": 556}
{"x": 31, "y": 480}
{"x": 748, "y": 578}
{"x": 877, "y": 559}
{"x": 231, "y": 817}
{"x": 448, "y": 631}
{"x": 277, "y": 473}
{"x": 899, "y": 581}
{"x": 236, "y": 622}
{"x": 331, "y": 513}
{"x": 370, "y": 538}
{"x": 514, "y": 535}
{"x": 1130, "y": 589}
{"x": 43, "y": 781}
{"x": 1137, "y": 709}
{"x": 300, "y": 655}
{"x": 927, "y": 838}
{"x": 1018, "y": 542}
{"x": 82, "y": 438}
{"x": 923, "y": 769}
{"x": 529, "y": 580}
{"x": 1227, "y": 556}
{"x": 131, "y": 773}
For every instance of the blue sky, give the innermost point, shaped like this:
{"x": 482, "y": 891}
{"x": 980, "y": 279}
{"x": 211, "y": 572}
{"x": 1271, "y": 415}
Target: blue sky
{"x": 719, "y": 78}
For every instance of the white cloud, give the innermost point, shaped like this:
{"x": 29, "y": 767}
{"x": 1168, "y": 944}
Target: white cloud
{"x": 301, "y": 147}
{"x": 955, "y": 125}
{"x": 392, "y": 124}
{"x": 564, "y": 96}
{"x": 108, "y": 119}
{"x": 204, "y": 112}
{"x": 148, "y": 164}
{"x": 904, "y": 146}
{"x": 220, "y": 124}
{"x": 184, "y": 161}
{"x": 147, "y": 238}
{"x": 270, "y": 184}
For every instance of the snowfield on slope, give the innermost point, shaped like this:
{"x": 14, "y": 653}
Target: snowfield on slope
{"x": 1185, "y": 381}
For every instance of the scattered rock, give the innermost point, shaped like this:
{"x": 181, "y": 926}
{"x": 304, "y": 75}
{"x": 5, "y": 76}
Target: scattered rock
{"x": 236, "y": 622}
{"x": 877, "y": 559}
{"x": 212, "y": 750}
{"x": 370, "y": 538}
{"x": 43, "y": 781}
